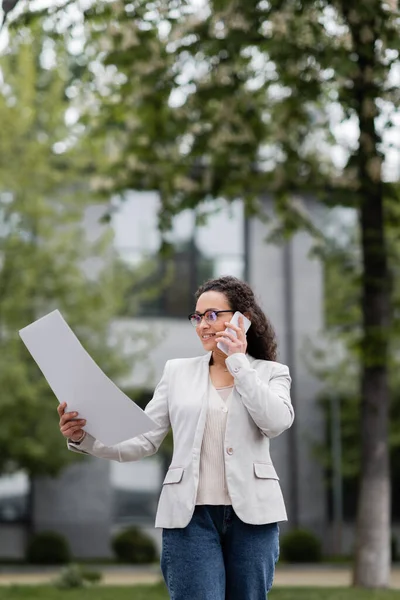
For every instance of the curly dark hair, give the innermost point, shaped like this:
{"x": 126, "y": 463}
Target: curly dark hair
{"x": 261, "y": 339}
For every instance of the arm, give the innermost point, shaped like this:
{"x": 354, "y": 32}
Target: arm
{"x": 268, "y": 402}
{"x": 142, "y": 445}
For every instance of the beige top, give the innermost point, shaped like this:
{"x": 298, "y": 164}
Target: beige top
{"x": 212, "y": 482}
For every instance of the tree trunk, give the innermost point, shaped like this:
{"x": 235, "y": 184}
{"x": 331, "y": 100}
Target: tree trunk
{"x": 372, "y": 564}
{"x": 372, "y": 560}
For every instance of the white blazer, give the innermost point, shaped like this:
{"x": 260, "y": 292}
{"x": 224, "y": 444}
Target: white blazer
{"x": 260, "y": 410}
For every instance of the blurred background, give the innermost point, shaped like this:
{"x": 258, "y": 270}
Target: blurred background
{"x": 148, "y": 146}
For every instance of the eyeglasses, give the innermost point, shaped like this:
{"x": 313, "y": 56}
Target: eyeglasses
{"x": 210, "y": 316}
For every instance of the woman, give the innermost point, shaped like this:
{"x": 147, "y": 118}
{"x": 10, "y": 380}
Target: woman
{"x": 221, "y": 500}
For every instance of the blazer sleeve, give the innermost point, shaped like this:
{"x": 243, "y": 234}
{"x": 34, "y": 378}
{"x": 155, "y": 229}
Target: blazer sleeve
{"x": 267, "y": 401}
{"x": 141, "y": 445}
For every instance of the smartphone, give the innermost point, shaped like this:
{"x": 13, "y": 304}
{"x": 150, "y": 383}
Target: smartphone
{"x": 235, "y": 321}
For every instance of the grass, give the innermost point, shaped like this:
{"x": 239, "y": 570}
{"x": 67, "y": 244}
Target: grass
{"x": 140, "y": 592}
{"x": 331, "y": 594}
{"x": 158, "y": 592}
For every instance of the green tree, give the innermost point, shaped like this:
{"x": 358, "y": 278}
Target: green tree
{"x": 239, "y": 99}
{"x": 47, "y": 260}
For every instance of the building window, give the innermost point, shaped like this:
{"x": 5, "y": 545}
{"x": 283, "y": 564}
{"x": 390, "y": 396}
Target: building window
{"x": 166, "y": 286}
{"x": 14, "y": 491}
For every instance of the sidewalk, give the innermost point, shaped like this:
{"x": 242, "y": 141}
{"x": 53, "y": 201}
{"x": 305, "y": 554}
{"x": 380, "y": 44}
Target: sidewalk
{"x": 112, "y": 575}
{"x": 322, "y": 576}
{"x": 286, "y": 575}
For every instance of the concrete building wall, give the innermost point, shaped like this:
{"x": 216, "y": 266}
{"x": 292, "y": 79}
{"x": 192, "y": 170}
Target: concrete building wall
{"x": 12, "y": 540}
{"x": 289, "y": 285}
{"x": 310, "y": 427}
{"x": 266, "y": 277}
{"x": 77, "y": 504}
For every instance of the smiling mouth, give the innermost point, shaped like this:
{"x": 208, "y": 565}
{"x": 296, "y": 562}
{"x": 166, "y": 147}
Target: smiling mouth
{"x": 208, "y": 336}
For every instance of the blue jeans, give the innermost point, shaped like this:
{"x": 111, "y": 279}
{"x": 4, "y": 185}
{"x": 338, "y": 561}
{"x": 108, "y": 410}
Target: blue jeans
{"x": 218, "y": 557}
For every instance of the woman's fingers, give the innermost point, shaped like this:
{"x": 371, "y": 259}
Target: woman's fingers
{"x": 227, "y": 335}
{"x": 69, "y": 431}
{"x": 69, "y": 425}
{"x": 72, "y": 424}
{"x": 68, "y": 417}
{"x": 61, "y": 408}
{"x": 235, "y": 343}
{"x": 65, "y": 417}
{"x": 240, "y": 330}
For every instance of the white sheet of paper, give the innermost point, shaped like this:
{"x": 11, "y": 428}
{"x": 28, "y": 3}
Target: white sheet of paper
{"x": 75, "y": 378}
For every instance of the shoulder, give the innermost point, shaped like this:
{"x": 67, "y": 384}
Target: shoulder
{"x": 176, "y": 364}
{"x": 275, "y": 369}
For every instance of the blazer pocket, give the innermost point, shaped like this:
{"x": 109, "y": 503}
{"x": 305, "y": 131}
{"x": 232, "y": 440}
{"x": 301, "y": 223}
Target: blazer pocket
{"x": 265, "y": 471}
{"x": 173, "y": 475}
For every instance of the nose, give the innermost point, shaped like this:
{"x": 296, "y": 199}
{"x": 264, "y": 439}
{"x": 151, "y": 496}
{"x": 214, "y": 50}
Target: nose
{"x": 203, "y": 324}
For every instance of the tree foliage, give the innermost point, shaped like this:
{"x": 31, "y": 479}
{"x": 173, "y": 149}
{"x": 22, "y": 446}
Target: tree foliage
{"x": 240, "y": 99}
{"x": 236, "y": 99}
{"x": 47, "y": 260}
{"x": 255, "y": 89}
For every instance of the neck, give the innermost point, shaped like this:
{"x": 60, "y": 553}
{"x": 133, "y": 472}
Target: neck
{"x": 218, "y": 359}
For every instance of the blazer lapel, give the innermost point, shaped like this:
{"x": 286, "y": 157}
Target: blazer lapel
{"x": 198, "y": 374}
{"x": 201, "y": 383}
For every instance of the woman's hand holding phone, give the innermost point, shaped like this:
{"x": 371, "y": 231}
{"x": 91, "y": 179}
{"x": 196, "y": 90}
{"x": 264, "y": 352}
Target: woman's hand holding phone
{"x": 233, "y": 340}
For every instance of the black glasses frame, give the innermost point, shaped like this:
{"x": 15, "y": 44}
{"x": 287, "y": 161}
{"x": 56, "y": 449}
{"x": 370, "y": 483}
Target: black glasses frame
{"x": 201, "y": 315}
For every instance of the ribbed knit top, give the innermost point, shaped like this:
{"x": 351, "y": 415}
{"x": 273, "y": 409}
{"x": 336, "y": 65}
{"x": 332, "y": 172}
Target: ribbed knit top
{"x": 212, "y": 481}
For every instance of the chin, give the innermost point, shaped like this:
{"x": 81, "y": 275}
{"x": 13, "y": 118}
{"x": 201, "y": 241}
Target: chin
{"x": 210, "y": 345}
